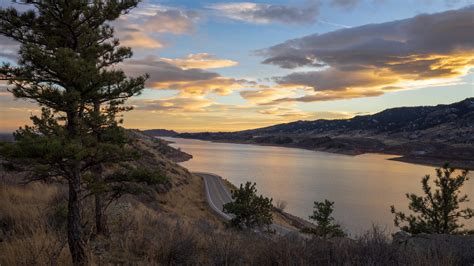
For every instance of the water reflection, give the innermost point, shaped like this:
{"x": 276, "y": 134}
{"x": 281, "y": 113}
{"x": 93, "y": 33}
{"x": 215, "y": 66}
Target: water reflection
{"x": 363, "y": 186}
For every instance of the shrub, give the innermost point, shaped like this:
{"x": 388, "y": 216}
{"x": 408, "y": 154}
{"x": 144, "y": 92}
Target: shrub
{"x": 437, "y": 211}
{"x": 322, "y": 215}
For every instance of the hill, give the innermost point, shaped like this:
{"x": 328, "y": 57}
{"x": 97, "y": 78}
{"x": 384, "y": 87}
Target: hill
{"x": 160, "y": 132}
{"x": 424, "y": 134}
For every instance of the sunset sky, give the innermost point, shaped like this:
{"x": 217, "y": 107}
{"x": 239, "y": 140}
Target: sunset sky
{"x": 225, "y": 66}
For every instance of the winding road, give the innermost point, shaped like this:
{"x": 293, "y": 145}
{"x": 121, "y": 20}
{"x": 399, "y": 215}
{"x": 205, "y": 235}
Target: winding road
{"x": 217, "y": 195}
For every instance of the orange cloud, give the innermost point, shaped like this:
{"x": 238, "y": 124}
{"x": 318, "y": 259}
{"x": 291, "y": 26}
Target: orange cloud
{"x": 175, "y": 104}
{"x": 201, "y": 60}
{"x": 220, "y": 85}
{"x": 139, "y": 28}
{"x": 265, "y": 95}
{"x": 139, "y": 39}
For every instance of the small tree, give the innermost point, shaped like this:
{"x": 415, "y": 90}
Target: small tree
{"x": 249, "y": 209}
{"x": 322, "y": 215}
{"x": 437, "y": 211}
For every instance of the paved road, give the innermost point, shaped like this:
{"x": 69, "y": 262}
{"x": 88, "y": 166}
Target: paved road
{"x": 217, "y": 195}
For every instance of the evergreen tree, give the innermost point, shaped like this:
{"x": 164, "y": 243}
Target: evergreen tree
{"x": 65, "y": 65}
{"x": 322, "y": 215}
{"x": 437, "y": 211}
{"x": 249, "y": 209}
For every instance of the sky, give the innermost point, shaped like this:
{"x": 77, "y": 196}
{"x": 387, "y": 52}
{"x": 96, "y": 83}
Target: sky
{"x": 227, "y": 66}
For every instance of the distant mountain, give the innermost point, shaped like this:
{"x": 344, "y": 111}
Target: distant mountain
{"x": 160, "y": 132}
{"x": 8, "y": 137}
{"x": 424, "y": 134}
{"x": 391, "y": 121}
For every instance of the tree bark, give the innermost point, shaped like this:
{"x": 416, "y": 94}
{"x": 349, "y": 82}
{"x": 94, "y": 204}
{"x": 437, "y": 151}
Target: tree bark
{"x": 75, "y": 232}
{"x": 100, "y": 216}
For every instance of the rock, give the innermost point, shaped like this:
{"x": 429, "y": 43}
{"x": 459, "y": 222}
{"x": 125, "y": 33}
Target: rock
{"x": 461, "y": 246}
{"x": 401, "y": 237}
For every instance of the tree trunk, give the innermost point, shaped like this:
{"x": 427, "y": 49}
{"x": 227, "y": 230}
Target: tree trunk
{"x": 100, "y": 216}
{"x": 75, "y": 232}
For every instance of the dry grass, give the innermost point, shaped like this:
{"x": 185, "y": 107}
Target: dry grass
{"x": 186, "y": 198}
{"x": 176, "y": 227}
{"x": 28, "y": 233}
{"x": 140, "y": 235}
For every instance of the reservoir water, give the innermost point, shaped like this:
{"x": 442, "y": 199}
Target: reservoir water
{"x": 363, "y": 187}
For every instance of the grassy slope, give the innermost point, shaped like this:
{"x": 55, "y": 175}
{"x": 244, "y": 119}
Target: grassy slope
{"x": 187, "y": 199}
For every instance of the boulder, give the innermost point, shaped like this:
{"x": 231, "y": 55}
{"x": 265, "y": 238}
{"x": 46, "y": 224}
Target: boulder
{"x": 461, "y": 246}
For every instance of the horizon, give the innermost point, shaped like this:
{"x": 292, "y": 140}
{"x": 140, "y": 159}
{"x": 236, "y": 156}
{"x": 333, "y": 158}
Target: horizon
{"x": 155, "y": 128}
{"x": 231, "y": 66}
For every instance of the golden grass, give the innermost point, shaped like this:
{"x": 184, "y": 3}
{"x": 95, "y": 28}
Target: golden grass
{"x": 186, "y": 198}
{"x": 141, "y": 235}
{"x": 27, "y": 237}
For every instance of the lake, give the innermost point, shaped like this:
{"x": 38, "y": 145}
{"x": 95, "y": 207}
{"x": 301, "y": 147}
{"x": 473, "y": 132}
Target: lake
{"x": 363, "y": 187}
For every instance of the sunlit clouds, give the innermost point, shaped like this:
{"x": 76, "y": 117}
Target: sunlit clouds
{"x": 223, "y": 66}
{"x": 166, "y": 74}
{"x": 201, "y": 60}
{"x": 144, "y": 26}
{"x": 363, "y": 61}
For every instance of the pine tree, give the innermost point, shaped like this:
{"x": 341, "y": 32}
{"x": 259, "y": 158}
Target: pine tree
{"x": 437, "y": 211}
{"x": 65, "y": 65}
{"x": 322, "y": 215}
{"x": 249, "y": 209}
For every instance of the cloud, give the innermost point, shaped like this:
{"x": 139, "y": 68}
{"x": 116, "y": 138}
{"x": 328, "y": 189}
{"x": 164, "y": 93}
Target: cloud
{"x": 287, "y": 113}
{"x": 331, "y": 96}
{"x": 174, "y": 21}
{"x": 219, "y": 85}
{"x": 201, "y": 60}
{"x": 175, "y": 104}
{"x": 14, "y": 112}
{"x": 268, "y": 13}
{"x": 295, "y": 114}
{"x": 139, "y": 39}
{"x": 193, "y": 81}
{"x": 265, "y": 96}
{"x": 360, "y": 61}
{"x": 335, "y": 80}
{"x": 348, "y": 4}
{"x": 9, "y": 48}
{"x": 197, "y": 113}
{"x": 143, "y": 26}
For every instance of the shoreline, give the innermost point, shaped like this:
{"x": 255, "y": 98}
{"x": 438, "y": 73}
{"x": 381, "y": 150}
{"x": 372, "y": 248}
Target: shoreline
{"x": 413, "y": 159}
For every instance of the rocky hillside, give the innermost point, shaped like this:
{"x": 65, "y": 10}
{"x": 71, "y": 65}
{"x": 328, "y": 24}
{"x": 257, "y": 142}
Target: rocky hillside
{"x": 183, "y": 195}
{"x": 162, "y": 147}
{"x": 403, "y": 122}
{"x": 425, "y": 134}
{"x": 160, "y": 132}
